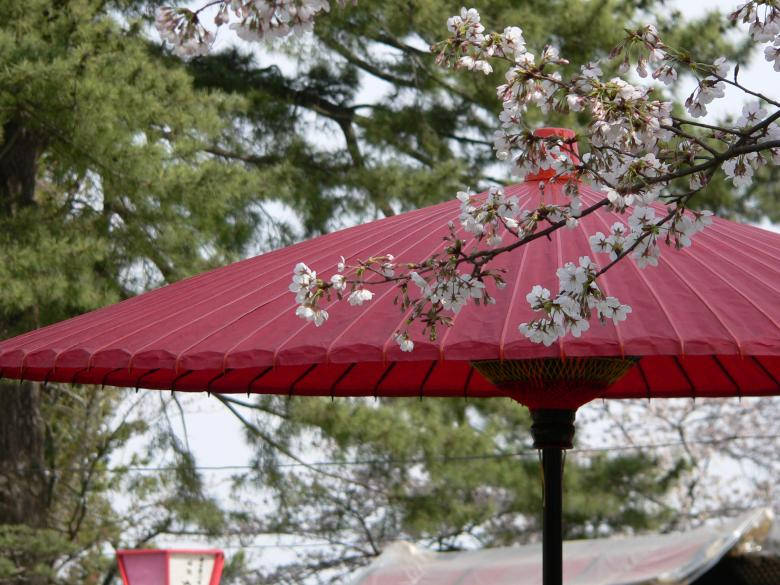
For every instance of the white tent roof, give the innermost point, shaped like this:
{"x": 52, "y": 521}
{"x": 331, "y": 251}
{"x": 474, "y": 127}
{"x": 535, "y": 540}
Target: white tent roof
{"x": 668, "y": 559}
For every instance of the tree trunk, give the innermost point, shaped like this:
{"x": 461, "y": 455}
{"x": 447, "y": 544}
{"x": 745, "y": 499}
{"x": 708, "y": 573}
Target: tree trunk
{"x": 19, "y": 154}
{"x": 24, "y": 479}
{"x": 22, "y": 430}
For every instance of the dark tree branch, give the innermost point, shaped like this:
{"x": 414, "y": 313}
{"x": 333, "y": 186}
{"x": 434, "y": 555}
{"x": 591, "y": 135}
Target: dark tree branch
{"x": 366, "y": 66}
{"x": 255, "y": 430}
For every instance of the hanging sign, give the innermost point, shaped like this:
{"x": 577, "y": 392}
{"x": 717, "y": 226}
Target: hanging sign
{"x": 170, "y": 567}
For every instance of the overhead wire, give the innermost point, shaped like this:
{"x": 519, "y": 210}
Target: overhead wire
{"x": 529, "y": 452}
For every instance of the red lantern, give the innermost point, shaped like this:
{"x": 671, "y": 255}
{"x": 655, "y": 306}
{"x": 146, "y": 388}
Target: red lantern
{"x": 170, "y": 566}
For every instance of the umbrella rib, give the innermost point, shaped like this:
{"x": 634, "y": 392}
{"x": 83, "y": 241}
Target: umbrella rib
{"x": 559, "y": 255}
{"x": 528, "y": 196}
{"x": 111, "y": 313}
{"x": 142, "y": 376}
{"x": 142, "y": 318}
{"x": 685, "y": 375}
{"x": 727, "y": 281}
{"x": 455, "y": 317}
{"x": 179, "y": 377}
{"x": 384, "y": 375}
{"x": 729, "y": 376}
{"x": 706, "y": 236}
{"x": 644, "y": 379}
{"x": 468, "y": 381}
{"x": 238, "y": 299}
{"x": 215, "y": 378}
{"x": 705, "y": 303}
{"x": 425, "y": 220}
{"x": 405, "y": 316}
{"x": 359, "y": 240}
{"x": 256, "y": 378}
{"x": 765, "y": 370}
{"x": 76, "y": 374}
{"x": 374, "y": 302}
{"x": 343, "y": 375}
{"x": 726, "y": 229}
{"x": 512, "y": 300}
{"x": 301, "y": 377}
{"x": 606, "y": 287}
{"x": 124, "y": 307}
{"x": 107, "y": 374}
{"x": 286, "y": 310}
{"x": 427, "y": 375}
{"x": 129, "y": 306}
{"x": 235, "y": 282}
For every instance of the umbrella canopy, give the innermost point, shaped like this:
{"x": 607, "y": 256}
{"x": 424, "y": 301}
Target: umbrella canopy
{"x": 704, "y": 322}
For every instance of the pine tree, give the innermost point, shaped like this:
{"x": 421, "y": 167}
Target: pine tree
{"x": 429, "y": 132}
{"x": 107, "y": 187}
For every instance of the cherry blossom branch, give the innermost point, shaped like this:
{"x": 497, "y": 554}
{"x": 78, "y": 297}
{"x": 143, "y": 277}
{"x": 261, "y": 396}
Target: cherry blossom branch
{"x": 636, "y": 244}
{"x": 490, "y": 254}
{"x": 690, "y": 137}
{"x": 208, "y": 5}
{"x": 637, "y": 148}
{"x": 718, "y": 129}
{"x": 760, "y": 96}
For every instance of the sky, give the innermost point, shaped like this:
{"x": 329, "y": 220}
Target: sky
{"x": 216, "y": 436}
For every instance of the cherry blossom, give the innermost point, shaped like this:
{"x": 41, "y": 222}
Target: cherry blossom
{"x": 752, "y": 114}
{"x": 182, "y": 29}
{"x": 251, "y": 20}
{"x": 338, "y": 282}
{"x": 307, "y": 290}
{"x": 772, "y": 53}
{"x": 360, "y": 296}
{"x": 404, "y": 342}
{"x": 740, "y": 169}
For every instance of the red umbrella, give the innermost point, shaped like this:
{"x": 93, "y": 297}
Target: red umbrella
{"x": 704, "y": 323}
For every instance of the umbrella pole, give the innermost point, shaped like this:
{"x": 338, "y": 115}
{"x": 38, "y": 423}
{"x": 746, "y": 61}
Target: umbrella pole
{"x": 552, "y": 534}
{"x": 552, "y": 431}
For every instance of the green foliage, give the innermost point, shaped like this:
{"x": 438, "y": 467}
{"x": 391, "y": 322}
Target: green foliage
{"x": 22, "y": 547}
{"x": 393, "y": 130}
{"x": 108, "y": 184}
{"x": 118, "y": 143}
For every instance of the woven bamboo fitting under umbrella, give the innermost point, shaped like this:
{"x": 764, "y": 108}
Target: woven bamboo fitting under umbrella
{"x": 704, "y": 323}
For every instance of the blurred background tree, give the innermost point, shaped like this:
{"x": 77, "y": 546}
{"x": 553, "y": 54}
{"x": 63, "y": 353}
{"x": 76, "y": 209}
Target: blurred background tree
{"x": 446, "y": 474}
{"x": 106, "y": 188}
{"x": 122, "y": 168}
{"x": 393, "y": 130}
